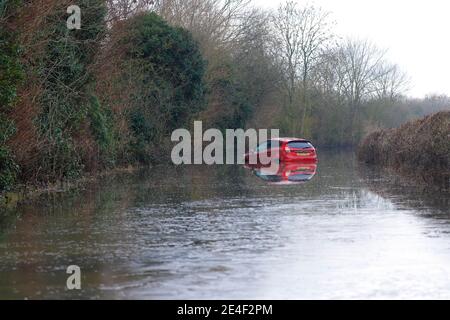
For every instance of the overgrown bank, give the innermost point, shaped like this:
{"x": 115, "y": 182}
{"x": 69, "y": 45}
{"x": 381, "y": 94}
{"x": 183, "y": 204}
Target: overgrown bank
{"x": 75, "y": 102}
{"x": 109, "y": 95}
{"x": 91, "y": 99}
{"x": 421, "y": 146}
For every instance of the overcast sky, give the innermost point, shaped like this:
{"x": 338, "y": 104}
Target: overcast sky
{"x": 416, "y": 33}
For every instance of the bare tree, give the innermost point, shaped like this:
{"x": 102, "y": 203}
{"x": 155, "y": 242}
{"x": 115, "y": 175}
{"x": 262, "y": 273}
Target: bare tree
{"x": 251, "y": 53}
{"x": 363, "y": 67}
{"x": 391, "y": 83}
{"x": 300, "y": 35}
{"x": 363, "y": 74}
{"x": 123, "y": 9}
{"x": 211, "y": 21}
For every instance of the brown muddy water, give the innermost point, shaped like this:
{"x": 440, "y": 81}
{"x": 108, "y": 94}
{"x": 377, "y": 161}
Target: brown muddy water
{"x": 222, "y": 232}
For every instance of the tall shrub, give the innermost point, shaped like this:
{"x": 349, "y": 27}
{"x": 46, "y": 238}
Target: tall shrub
{"x": 10, "y": 77}
{"x": 166, "y": 68}
{"x": 66, "y": 83}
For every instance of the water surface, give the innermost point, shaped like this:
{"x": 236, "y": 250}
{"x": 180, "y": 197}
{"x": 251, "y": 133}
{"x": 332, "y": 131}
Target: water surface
{"x": 222, "y": 232}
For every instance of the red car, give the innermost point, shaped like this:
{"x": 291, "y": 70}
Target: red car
{"x": 284, "y": 149}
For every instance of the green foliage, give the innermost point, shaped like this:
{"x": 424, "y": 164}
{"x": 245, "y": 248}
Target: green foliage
{"x": 175, "y": 59}
{"x": 11, "y": 74}
{"x": 144, "y": 132}
{"x": 8, "y": 169}
{"x": 166, "y": 68}
{"x": 10, "y": 69}
{"x": 235, "y": 99}
{"x": 60, "y": 158}
{"x": 102, "y": 126}
{"x": 66, "y": 79}
{"x": 64, "y": 66}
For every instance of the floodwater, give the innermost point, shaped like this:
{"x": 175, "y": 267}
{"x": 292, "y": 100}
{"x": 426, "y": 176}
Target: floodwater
{"x": 341, "y": 231}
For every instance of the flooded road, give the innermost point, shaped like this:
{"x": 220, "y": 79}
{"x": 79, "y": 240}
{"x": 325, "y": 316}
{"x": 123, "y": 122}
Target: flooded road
{"x": 224, "y": 232}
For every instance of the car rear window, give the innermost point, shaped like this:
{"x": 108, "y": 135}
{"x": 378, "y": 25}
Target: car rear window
{"x": 300, "y": 145}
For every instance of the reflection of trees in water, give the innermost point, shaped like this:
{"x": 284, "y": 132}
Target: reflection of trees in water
{"x": 56, "y": 230}
{"x": 144, "y": 218}
{"x": 163, "y": 184}
{"x": 336, "y": 184}
{"x": 107, "y": 223}
{"x": 336, "y": 178}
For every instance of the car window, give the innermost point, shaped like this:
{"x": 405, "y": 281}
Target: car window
{"x": 300, "y": 145}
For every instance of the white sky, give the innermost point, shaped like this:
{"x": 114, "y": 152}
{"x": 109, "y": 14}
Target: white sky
{"x": 416, "y": 34}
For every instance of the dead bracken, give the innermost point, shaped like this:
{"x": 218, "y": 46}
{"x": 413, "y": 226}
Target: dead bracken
{"x": 422, "y": 145}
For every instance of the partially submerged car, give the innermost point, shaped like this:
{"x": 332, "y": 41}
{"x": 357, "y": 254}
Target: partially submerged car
{"x": 283, "y": 150}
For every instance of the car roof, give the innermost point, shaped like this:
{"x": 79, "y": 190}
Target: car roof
{"x": 289, "y": 139}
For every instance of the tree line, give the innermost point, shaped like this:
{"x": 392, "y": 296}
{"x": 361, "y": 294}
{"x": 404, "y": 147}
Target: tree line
{"x": 110, "y": 94}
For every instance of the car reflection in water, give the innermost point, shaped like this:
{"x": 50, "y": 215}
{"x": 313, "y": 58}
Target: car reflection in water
{"x": 297, "y": 172}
